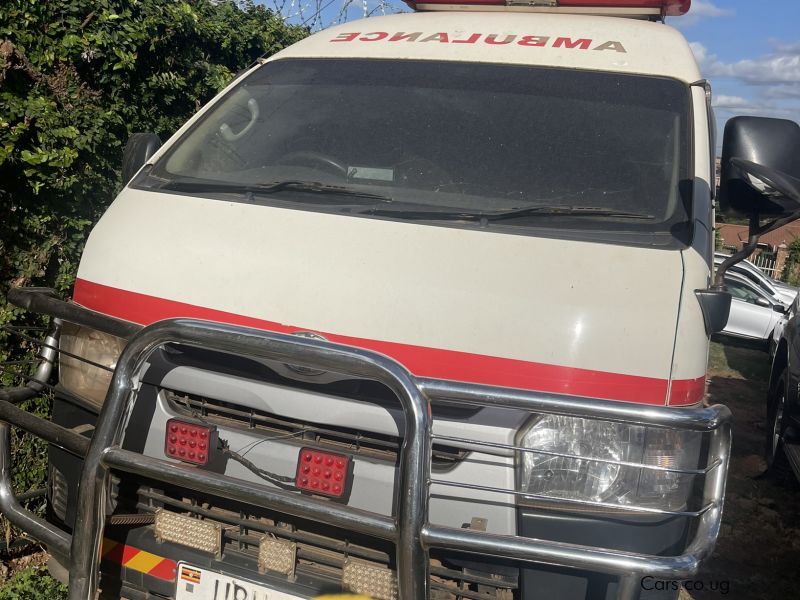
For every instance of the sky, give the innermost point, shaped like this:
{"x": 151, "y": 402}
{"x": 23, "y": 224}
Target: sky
{"x": 748, "y": 49}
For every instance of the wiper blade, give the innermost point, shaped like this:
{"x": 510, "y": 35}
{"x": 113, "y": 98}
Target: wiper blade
{"x": 514, "y": 213}
{"x": 313, "y": 187}
{"x": 588, "y": 211}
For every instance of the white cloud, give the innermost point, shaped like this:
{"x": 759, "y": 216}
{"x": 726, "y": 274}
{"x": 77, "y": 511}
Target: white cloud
{"x": 735, "y": 102}
{"x": 768, "y": 85}
{"x": 705, "y": 8}
{"x": 728, "y": 106}
{"x": 783, "y": 92}
{"x": 700, "y": 52}
{"x": 702, "y": 9}
{"x": 781, "y": 66}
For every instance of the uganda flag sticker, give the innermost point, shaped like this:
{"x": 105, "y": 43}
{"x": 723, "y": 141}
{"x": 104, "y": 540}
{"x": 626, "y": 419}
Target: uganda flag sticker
{"x": 190, "y": 575}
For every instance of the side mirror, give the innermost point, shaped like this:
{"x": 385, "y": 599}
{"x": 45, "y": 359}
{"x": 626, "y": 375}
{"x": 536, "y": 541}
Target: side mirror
{"x": 139, "y": 149}
{"x": 760, "y": 177}
{"x": 779, "y": 308}
{"x": 763, "y": 302}
{"x": 716, "y": 307}
{"x": 760, "y": 167}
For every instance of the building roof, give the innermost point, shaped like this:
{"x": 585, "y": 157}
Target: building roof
{"x": 525, "y": 38}
{"x": 735, "y": 235}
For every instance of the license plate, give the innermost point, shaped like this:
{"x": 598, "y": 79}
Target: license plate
{"x": 195, "y": 583}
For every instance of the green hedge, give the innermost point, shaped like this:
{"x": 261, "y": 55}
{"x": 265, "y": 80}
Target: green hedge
{"x": 76, "y": 78}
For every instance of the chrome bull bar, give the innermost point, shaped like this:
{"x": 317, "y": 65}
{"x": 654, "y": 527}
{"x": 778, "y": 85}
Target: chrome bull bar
{"x": 409, "y": 529}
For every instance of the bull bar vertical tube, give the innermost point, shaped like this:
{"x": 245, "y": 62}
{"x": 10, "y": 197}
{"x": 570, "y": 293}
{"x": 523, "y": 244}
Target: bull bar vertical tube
{"x": 629, "y": 587}
{"x": 411, "y": 493}
{"x": 11, "y": 509}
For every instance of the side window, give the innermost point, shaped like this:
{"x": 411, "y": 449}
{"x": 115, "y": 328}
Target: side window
{"x": 742, "y": 292}
{"x": 757, "y": 281}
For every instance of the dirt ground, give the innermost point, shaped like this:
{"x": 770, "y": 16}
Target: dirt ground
{"x": 759, "y": 548}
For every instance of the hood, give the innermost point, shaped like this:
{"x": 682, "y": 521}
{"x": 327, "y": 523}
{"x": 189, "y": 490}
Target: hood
{"x": 569, "y": 317}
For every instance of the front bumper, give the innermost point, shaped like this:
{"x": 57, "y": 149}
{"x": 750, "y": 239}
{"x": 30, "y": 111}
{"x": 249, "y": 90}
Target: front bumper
{"x": 409, "y": 530}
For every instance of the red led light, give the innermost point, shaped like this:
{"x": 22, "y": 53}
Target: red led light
{"x": 322, "y": 473}
{"x": 189, "y": 442}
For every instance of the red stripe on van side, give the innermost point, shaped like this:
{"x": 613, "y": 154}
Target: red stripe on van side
{"x": 687, "y": 391}
{"x": 421, "y": 361}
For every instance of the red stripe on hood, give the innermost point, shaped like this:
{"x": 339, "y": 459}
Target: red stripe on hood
{"x": 421, "y": 361}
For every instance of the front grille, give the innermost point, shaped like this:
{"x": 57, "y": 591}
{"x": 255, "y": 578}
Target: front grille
{"x": 321, "y": 550}
{"x": 343, "y": 439}
{"x": 57, "y": 492}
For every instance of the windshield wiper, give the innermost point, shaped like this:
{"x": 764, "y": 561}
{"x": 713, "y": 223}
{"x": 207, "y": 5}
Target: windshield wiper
{"x": 312, "y": 187}
{"x": 514, "y": 213}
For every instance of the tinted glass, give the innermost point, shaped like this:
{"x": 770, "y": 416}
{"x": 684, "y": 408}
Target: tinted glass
{"x": 476, "y": 138}
{"x": 742, "y": 292}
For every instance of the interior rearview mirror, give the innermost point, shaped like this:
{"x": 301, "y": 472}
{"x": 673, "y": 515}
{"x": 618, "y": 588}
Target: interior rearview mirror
{"x": 139, "y": 149}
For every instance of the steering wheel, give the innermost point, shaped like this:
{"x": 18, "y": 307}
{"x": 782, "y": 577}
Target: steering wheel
{"x": 315, "y": 158}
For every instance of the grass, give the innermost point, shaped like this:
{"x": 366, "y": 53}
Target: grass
{"x": 738, "y": 361}
{"x": 33, "y": 583}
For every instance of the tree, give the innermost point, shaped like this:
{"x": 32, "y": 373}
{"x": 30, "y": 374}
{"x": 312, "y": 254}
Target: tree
{"x": 719, "y": 243}
{"x": 790, "y": 268}
{"x": 76, "y": 78}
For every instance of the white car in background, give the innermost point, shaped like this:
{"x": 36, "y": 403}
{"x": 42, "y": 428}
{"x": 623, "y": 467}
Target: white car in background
{"x": 755, "y": 314}
{"x": 774, "y": 288}
{"x": 777, "y": 333}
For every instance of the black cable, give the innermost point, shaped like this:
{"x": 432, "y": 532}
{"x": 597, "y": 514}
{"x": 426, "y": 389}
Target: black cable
{"x": 274, "y": 478}
{"x": 279, "y": 480}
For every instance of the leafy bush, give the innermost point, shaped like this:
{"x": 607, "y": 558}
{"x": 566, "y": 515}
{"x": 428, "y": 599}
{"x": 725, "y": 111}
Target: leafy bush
{"x": 77, "y": 77}
{"x": 33, "y": 584}
{"x": 791, "y": 268}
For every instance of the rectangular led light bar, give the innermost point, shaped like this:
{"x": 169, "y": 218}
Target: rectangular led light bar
{"x": 667, "y": 8}
{"x": 370, "y": 579}
{"x": 188, "y": 531}
{"x": 277, "y": 555}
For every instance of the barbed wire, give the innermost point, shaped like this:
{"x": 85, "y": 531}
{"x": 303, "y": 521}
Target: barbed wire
{"x": 319, "y": 14}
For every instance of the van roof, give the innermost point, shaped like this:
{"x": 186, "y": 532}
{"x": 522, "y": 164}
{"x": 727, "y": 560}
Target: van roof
{"x": 556, "y": 40}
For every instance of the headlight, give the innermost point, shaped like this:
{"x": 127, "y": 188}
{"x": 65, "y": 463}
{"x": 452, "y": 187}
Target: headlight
{"x": 599, "y": 462}
{"x": 80, "y": 377}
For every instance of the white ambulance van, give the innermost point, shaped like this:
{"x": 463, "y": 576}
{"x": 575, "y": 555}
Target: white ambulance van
{"x": 416, "y": 308}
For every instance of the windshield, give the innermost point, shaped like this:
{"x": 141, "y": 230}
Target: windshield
{"x": 531, "y": 148}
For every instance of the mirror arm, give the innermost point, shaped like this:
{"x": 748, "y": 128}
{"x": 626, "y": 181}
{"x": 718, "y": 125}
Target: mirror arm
{"x": 756, "y": 231}
{"x": 747, "y": 250}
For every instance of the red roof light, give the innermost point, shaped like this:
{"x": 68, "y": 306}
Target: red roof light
{"x": 669, "y": 8}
